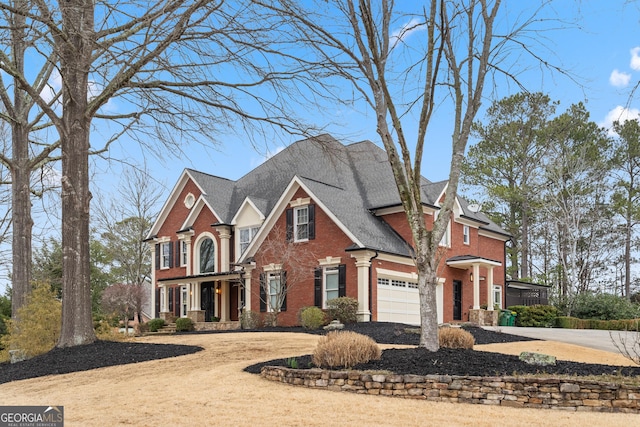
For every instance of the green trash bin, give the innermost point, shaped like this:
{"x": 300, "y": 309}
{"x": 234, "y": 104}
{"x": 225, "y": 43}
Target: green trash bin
{"x": 503, "y": 319}
{"x": 512, "y": 319}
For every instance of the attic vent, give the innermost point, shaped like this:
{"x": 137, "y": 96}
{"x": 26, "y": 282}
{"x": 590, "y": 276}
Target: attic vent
{"x": 189, "y": 201}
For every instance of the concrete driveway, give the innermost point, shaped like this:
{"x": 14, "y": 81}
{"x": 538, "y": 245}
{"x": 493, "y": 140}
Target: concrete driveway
{"x": 600, "y": 340}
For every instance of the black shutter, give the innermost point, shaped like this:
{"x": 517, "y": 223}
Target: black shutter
{"x": 157, "y": 302}
{"x": 157, "y": 256}
{"x": 289, "y": 216}
{"x": 170, "y": 300}
{"x": 283, "y": 284}
{"x": 311, "y": 209}
{"x": 263, "y": 294}
{"x": 176, "y": 305}
{"x": 317, "y": 287}
{"x": 170, "y": 255}
{"x": 342, "y": 280}
{"x": 178, "y": 252}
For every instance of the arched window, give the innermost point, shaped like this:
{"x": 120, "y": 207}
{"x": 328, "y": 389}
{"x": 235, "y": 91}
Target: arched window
{"x": 207, "y": 256}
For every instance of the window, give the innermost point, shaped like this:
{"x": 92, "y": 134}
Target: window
{"x": 445, "y": 237}
{"x": 465, "y": 234}
{"x": 165, "y": 255}
{"x": 275, "y": 289}
{"x": 185, "y": 298}
{"x": 497, "y": 296}
{"x": 183, "y": 253}
{"x": 246, "y": 236}
{"x": 207, "y": 256}
{"x": 331, "y": 285}
{"x": 301, "y": 224}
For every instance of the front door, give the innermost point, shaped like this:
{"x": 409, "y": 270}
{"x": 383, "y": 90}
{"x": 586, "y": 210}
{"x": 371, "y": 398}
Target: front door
{"x": 207, "y": 300}
{"x": 457, "y": 300}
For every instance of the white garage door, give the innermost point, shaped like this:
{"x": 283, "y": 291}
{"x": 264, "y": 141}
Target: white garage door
{"x": 398, "y": 301}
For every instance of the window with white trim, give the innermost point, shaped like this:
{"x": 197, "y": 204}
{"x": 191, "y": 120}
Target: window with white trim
{"x": 301, "y": 224}
{"x": 497, "y": 296}
{"x": 465, "y": 234}
{"x": 446, "y": 237}
{"x": 274, "y": 290}
{"x": 245, "y": 238}
{"x": 165, "y": 254}
{"x": 183, "y": 253}
{"x": 331, "y": 285}
{"x": 207, "y": 256}
{"x": 185, "y": 299}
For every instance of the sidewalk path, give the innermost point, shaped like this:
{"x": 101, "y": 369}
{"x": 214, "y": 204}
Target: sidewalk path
{"x": 600, "y": 340}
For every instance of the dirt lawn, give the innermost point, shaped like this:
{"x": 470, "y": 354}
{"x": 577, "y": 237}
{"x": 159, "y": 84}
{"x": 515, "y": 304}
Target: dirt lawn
{"x": 209, "y": 388}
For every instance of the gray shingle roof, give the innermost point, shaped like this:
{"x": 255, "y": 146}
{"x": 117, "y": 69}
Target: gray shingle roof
{"x": 351, "y": 181}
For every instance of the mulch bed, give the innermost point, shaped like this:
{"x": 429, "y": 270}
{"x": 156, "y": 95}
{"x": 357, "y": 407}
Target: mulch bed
{"x": 406, "y": 361}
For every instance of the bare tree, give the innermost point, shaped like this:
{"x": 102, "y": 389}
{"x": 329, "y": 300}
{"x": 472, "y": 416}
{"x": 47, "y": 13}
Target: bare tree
{"x": 406, "y": 65}
{"x": 20, "y": 110}
{"x": 124, "y": 222}
{"x": 291, "y": 264}
{"x": 163, "y": 61}
{"x": 121, "y": 300}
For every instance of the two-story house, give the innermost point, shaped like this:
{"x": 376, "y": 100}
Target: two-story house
{"x": 316, "y": 221}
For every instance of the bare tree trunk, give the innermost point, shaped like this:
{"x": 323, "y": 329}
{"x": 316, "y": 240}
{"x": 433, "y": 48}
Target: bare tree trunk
{"x": 427, "y": 282}
{"x": 20, "y": 175}
{"x": 75, "y": 57}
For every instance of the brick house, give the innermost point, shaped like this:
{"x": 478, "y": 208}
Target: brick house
{"x": 318, "y": 220}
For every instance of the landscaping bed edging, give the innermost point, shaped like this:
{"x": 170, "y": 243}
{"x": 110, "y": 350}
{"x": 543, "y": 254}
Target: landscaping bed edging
{"x": 521, "y": 392}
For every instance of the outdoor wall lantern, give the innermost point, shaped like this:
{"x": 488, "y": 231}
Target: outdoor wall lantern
{"x": 471, "y": 277}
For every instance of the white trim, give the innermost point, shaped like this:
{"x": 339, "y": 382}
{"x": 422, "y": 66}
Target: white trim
{"x": 172, "y": 200}
{"x": 329, "y": 270}
{"x": 196, "y": 252}
{"x": 195, "y": 212}
{"x": 297, "y": 209}
{"x": 271, "y": 267}
{"x": 398, "y": 259}
{"x": 300, "y": 202}
{"x": 281, "y": 206}
{"x": 329, "y": 261}
{"x": 165, "y": 244}
{"x": 247, "y": 201}
{"x": 392, "y": 274}
{"x": 466, "y": 234}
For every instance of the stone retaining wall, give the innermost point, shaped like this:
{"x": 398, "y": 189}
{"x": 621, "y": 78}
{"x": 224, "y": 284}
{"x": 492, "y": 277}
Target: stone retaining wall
{"x": 521, "y": 392}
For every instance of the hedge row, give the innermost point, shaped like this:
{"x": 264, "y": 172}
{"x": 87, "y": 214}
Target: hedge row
{"x": 611, "y": 325}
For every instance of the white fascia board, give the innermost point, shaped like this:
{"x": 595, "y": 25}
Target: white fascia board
{"x": 195, "y": 212}
{"x": 492, "y": 235}
{"x": 436, "y": 202}
{"x": 171, "y": 201}
{"x": 280, "y": 207}
{"x": 247, "y": 201}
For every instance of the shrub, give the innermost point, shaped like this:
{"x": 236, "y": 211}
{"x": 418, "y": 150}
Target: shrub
{"x": 538, "y": 316}
{"x": 250, "y": 320}
{"x": 184, "y": 324}
{"x": 455, "y": 338}
{"x": 155, "y": 324}
{"x": 344, "y": 309}
{"x": 610, "y": 325}
{"x": 604, "y": 307}
{"x": 345, "y": 349}
{"x": 312, "y": 318}
{"x": 38, "y": 329}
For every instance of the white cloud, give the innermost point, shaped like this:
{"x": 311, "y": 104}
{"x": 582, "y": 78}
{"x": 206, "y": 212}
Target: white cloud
{"x": 619, "y": 79}
{"x": 635, "y": 58}
{"x": 406, "y": 30}
{"x": 54, "y": 86}
{"x": 620, "y": 114}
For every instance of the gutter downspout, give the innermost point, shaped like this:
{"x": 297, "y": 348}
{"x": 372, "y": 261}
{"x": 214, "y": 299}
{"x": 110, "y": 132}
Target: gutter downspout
{"x": 371, "y": 281}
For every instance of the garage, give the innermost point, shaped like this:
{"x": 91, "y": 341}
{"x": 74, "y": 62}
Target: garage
{"x": 398, "y": 299}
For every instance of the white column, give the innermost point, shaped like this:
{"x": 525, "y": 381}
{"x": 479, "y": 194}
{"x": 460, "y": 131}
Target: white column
{"x": 363, "y": 263}
{"x": 224, "y": 301}
{"x": 152, "y": 248}
{"x": 224, "y": 231}
{"x": 476, "y": 286}
{"x": 247, "y": 286}
{"x": 490, "y": 288}
{"x": 165, "y": 292}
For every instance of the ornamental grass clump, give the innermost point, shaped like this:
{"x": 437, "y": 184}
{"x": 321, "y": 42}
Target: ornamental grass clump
{"x": 455, "y": 338}
{"x": 345, "y": 349}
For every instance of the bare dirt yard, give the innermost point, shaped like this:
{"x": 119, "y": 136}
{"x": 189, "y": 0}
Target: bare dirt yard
{"x": 210, "y": 388}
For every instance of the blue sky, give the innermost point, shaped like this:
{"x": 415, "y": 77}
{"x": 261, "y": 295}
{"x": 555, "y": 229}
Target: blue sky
{"x": 596, "y": 41}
